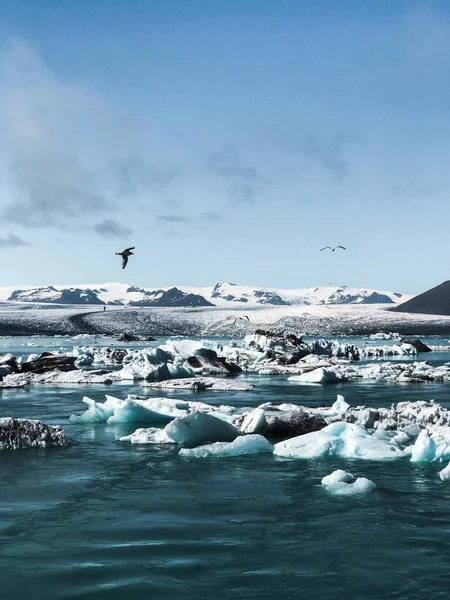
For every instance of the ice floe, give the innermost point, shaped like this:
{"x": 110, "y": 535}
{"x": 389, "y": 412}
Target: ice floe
{"x": 444, "y": 475}
{"x": 346, "y": 440}
{"x": 157, "y": 411}
{"x": 202, "y": 383}
{"x": 249, "y": 444}
{"x": 341, "y": 483}
{"x": 197, "y": 428}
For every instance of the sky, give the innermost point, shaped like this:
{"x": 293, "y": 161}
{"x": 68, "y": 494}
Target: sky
{"x": 227, "y": 141}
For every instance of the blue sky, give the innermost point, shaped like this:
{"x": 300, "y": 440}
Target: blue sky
{"x": 227, "y": 141}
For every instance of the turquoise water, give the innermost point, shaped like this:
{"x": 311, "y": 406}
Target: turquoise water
{"x": 107, "y": 520}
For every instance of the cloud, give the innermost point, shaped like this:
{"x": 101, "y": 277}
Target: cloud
{"x": 52, "y": 191}
{"x": 328, "y": 152}
{"x": 12, "y": 241}
{"x": 244, "y": 194}
{"x": 244, "y": 180}
{"x": 111, "y": 229}
{"x": 51, "y": 135}
{"x": 227, "y": 163}
{"x": 413, "y": 188}
{"x": 172, "y": 218}
{"x": 210, "y": 216}
{"x": 134, "y": 174}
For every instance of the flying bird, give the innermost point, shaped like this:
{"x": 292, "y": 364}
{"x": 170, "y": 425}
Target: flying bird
{"x": 241, "y": 319}
{"x": 125, "y": 254}
{"x": 332, "y": 249}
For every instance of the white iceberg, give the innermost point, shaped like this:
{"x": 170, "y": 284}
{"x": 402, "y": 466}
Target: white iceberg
{"x": 346, "y": 440}
{"x": 445, "y": 473}
{"x": 202, "y": 383}
{"x": 341, "y": 483}
{"x": 198, "y": 428}
{"x": 320, "y": 375}
{"x": 337, "y": 477}
{"x": 157, "y": 411}
{"x": 148, "y": 435}
{"x": 248, "y": 444}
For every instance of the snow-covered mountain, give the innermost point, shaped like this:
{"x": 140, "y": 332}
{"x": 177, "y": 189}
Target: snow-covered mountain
{"x": 222, "y": 295}
{"x": 108, "y": 294}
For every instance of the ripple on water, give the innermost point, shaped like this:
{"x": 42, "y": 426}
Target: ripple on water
{"x": 100, "y": 519}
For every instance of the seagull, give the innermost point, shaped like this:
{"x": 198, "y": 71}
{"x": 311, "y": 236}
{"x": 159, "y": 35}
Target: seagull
{"x": 241, "y": 318}
{"x": 332, "y": 249}
{"x": 125, "y": 254}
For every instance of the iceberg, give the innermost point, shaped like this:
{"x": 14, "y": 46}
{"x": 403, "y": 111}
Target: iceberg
{"x": 341, "y": 483}
{"x": 202, "y": 383}
{"x": 320, "y": 375}
{"x": 346, "y": 440}
{"x": 198, "y": 428}
{"x": 248, "y": 444}
{"x": 149, "y": 435}
{"x": 445, "y": 473}
{"x": 157, "y": 411}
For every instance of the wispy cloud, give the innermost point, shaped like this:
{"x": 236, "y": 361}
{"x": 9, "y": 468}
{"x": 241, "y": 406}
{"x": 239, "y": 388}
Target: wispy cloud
{"x": 172, "y": 218}
{"x": 12, "y": 241}
{"x": 42, "y": 122}
{"x": 211, "y": 216}
{"x": 329, "y": 152}
{"x": 228, "y": 163}
{"x": 134, "y": 174}
{"x": 111, "y": 229}
{"x": 244, "y": 180}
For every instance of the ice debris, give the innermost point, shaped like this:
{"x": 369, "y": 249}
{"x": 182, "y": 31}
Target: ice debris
{"x": 341, "y": 483}
{"x": 346, "y": 440}
{"x": 249, "y": 444}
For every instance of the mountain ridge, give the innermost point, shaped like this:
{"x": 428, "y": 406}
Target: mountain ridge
{"x": 222, "y": 294}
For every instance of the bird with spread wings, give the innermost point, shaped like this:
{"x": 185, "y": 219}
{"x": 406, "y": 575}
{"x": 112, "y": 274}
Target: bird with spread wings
{"x": 332, "y": 249}
{"x": 125, "y": 254}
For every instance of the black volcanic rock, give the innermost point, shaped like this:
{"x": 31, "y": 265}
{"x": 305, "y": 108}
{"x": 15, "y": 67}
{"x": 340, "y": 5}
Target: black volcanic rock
{"x": 172, "y": 297}
{"x": 418, "y": 345}
{"x": 432, "y": 302}
{"x": 284, "y": 426}
{"x": 27, "y": 433}
{"x": 127, "y": 337}
{"x": 212, "y": 366}
{"x": 49, "y": 362}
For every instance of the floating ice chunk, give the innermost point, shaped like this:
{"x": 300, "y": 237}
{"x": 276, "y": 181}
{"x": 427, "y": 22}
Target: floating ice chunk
{"x": 198, "y": 428}
{"x": 338, "y": 408}
{"x": 248, "y": 444}
{"x": 133, "y": 411}
{"x": 337, "y": 476}
{"x": 157, "y": 411}
{"x": 360, "y": 486}
{"x": 320, "y": 375}
{"x": 340, "y": 405}
{"x": 149, "y": 435}
{"x": 445, "y": 473}
{"x": 202, "y": 383}
{"x": 254, "y": 422}
{"x": 97, "y": 412}
{"x": 347, "y": 440}
{"x": 424, "y": 449}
